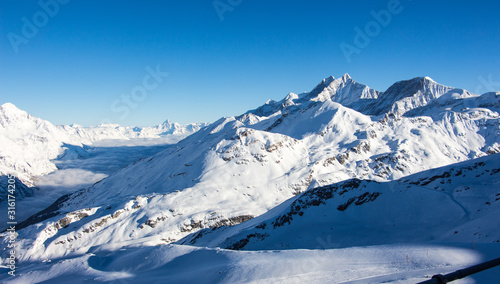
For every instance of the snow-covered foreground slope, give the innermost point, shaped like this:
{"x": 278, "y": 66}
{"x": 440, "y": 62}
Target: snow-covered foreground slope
{"x": 458, "y": 203}
{"x": 148, "y": 263}
{"x": 241, "y": 167}
{"x": 30, "y": 144}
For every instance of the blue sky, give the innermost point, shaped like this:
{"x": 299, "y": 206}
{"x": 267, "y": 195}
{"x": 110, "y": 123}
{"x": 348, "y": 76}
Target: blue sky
{"x": 87, "y": 57}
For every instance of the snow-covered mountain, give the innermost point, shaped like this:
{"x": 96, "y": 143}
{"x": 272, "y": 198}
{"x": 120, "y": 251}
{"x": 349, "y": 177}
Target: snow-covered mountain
{"x": 241, "y": 167}
{"x": 457, "y": 203}
{"x": 30, "y": 144}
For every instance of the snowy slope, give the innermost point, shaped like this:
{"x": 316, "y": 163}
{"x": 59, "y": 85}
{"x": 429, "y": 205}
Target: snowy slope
{"x": 150, "y": 263}
{"x": 30, "y": 144}
{"x": 241, "y": 167}
{"x": 458, "y": 203}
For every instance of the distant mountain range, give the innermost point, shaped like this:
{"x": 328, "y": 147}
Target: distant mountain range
{"x": 30, "y": 144}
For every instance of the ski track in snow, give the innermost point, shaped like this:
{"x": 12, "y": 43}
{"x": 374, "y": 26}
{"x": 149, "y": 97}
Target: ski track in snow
{"x": 450, "y": 193}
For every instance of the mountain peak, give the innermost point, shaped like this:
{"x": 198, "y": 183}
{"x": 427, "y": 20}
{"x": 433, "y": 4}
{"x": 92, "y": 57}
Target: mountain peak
{"x": 10, "y": 108}
{"x": 10, "y": 105}
{"x": 429, "y": 79}
{"x": 329, "y": 79}
{"x": 400, "y": 97}
{"x": 406, "y": 95}
{"x": 344, "y": 90}
{"x": 423, "y": 81}
{"x": 411, "y": 86}
{"x": 291, "y": 96}
{"x": 321, "y": 86}
{"x": 10, "y": 112}
{"x": 169, "y": 126}
{"x": 346, "y": 77}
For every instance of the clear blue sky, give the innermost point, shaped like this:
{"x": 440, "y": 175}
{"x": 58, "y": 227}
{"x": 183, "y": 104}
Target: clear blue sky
{"x": 86, "y": 55}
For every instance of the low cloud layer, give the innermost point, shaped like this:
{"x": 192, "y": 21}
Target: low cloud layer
{"x": 81, "y": 168}
{"x": 69, "y": 178}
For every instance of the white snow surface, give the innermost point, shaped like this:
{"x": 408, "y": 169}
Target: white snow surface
{"x": 456, "y": 203}
{"x": 147, "y": 263}
{"x": 262, "y": 161}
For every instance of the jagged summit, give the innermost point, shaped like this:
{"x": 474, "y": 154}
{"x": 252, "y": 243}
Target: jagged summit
{"x": 346, "y": 77}
{"x": 168, "y": 124}
{"x": 321, "y": 86}
{"x": 344, "y": 91}
{"x": 429, "y": 79}
{"x": 175, "y": 128}
{"x": 400, "y": 98}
